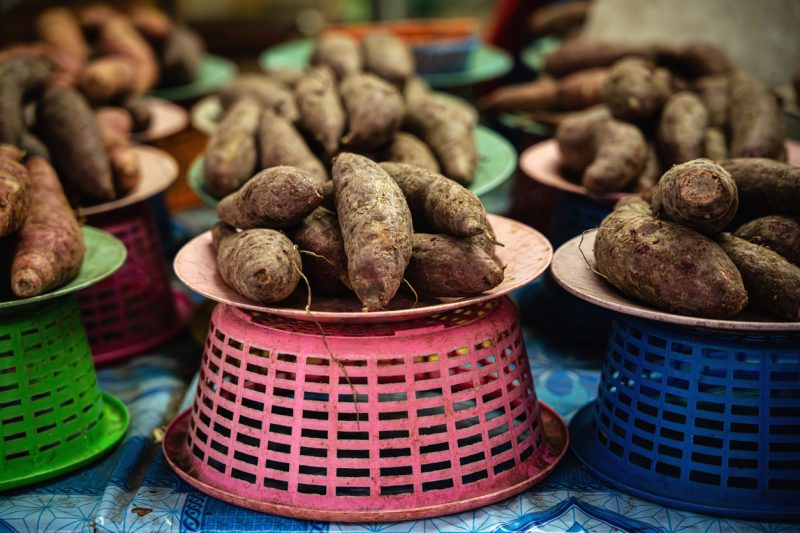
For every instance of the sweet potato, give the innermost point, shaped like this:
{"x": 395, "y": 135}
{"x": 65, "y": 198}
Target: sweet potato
{"x": 682, "y": 129}
{"x": 376, "y": 228}
{"x": 321, "y": 112}
{"x": 65, "y": 66}
{"x": 375, "y": 110}
{"x": 49, "y": 247}
{"x": 119, "y": 37}
{"x": 620, "y": 154}
{"x": 530, "y": 96}
{"x": 289, "y": 76}
{"x": 151, "y": 22}
{"x": 406, "y": 148}
{"x": 231, "y": 152}
{"x": 699, "y": 194}
{"x": 68, "y": 127}
{"x": 93, "y": 16}
{"x": 388, "y": 57}
{"x": 574, "y": 135}
{"x": 713, "y": 91}
{"x": 439, "y": 203}
{"x": 755, "y": 120}
{"x": 634, "y": 91}
{"x": 558, "y": 18}
{"x": 281, "y": 144}
{"x": 328, "y": 196}
{"x": 319, "y": 234}
{"x": 715, "y": 145}
{"x": 260, "y": 264}
{"x": 415, "y": 90}
{"x": 447, "y": 266}
{"x": 269, "y": 93}
{"x": 108, "y": 78}
{"x": 665, "y": 264}
{"x": 772, "y": 282}
{"x": 141, "y": 114}
{"x": 14, "y": 190}
{"x": 765, "y": 186}
{"x": 276, "y": 198}
{"x": 114, "y": 125}
{"x": 779, "y": 233}
{"x": 181, "y": 55}
{"x": 19, "y": 78}
{"x": 578, "y": 54}
{"x": 582, "y": 89}
{"x": 694, "y": 60}
{"x": 59, "y": 27}
{"x": 650, "y": 175}
{"x": 339, "y": 51}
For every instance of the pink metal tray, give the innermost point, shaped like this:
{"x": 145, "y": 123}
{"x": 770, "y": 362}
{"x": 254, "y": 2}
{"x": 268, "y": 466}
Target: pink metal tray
{"x": 158, "y": 169}
{"x": 167, "y": 119}
{"x": 573, "y": 273}
{"x": 526, "y": 254}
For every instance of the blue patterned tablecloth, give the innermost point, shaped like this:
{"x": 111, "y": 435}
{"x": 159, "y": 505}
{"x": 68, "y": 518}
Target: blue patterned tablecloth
{"x": 134, "y": 490}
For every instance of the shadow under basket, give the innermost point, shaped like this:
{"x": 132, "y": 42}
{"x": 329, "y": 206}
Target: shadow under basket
{"x": 134, "y": 309}
{"x": 53, "y": 416}
{"x": 698, "y": 419}
{"x": 372, "y": 422}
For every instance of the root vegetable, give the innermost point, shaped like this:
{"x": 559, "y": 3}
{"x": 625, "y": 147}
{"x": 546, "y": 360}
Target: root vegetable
{"x": 289, "y": 76}
{"x": 19, "y": 78}
{"x": 181, "y": 56}
{"x": 319, "y": 234}
{"x": 59, "y": 27}
{"x": 715, "y": 145}
{"x": 260, "y": 264}
{"x": 277, "y": 198}
{"x": 15, "y": 189}
{"x": 682, "y": 129}
{"x": 779, "y": 233}
{"x": 755, "y": 120}
{"x": 321, "y": 112}
{"x": 406, "y": 148}
{"x": 108, "y": 78}
{"x": 339, "y": 51}
{"x": 713, "y": 90}
{"x": 114, "y": 125}
{"x": 535, "y": 95}
{"x": 582, "y": 89}
{"x": 578, "y": 54}
{"x": 558, "y": 18}
{"x": 49, "y": 247}
{"x": 281, "y": 144}
{"x": 634, "y": 91}
{"x": 665, "y": 264}
{"x": 388, "y": 57}
{"x": 151, "y": 22}
{"x": 765, "y": 186}
{"x": 650, "y": 175}
{"x": 376, "y": 228}
{"x": 375, "y": 110}
{"x": 231, "y": 154}
{"x": 694, "y": 60}
{"x": 269, "y": 93}
{"x": 119, "y": 37}
{"x": 620, "y": 154}
{"x": 575, "y": 133}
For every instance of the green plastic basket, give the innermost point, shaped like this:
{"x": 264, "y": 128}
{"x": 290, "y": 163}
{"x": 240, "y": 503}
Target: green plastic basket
{"x": 214, "y": 72}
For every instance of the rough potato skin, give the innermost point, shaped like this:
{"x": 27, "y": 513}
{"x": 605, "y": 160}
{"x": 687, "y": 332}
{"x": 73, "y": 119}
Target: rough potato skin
{"x": 118, "y": 36}
{"x": 447, "y": 266}
{"x": 582, "y": 89}
{"x": 15, "y": 190}
{"x": 271, "y": 94}
{"x": 713, "y": 90}
{"x": 319, "y": 233}
{"x": 577, "y": 54}
{"x": 231, "y": 152}
{"x": 755, "y": 120}
{"x": 375, "y": 110}
{"x": 388, "y": 57}
{"x": 620, "y": 154}
{"x": 19, "y": 77}
{"x": 779, "y": 233}
{"x": 281, "y": 144}
{"x": 260, "y": 264}
{"x": 115, "y": 127}
{"x": 107, "y": 78}
{"x": 772, "y": 282}
{"x": 699, "y": 194}
{"x": 682, "y": 129}
{"x": 49, "y": 247}
{"x": 530, "y": 96}
{"x": 67, "y": 125}
{"x": 765, "y": 186}
{"x": 665, "y": 264}
{"x": 288, "y": 76}
{"x": 276, "y": 197}
{"x": 633, "y": 91}
{"x": 715, "y": 145}
{"x": 406, "y": 148}
{"x": 438, "y": 202}
{"x": 574, "y": 134}
{"x": 339, "y": 51}
{"x": 321, "y": 111}
{"x": 650, "y": 175}
{"x": 376, "y": 228}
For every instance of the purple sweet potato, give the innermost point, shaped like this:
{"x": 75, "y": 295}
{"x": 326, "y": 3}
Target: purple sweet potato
{"x": 713, "y": 91}
{"x": 108, "y": 78}
{"x": 406, "y": 148}
{"x": 559, "y": 18}
{"x": 376, "y": 228}
{"x": 779, "y": 233}
{"x": 682, "y": 129}
{"x": 14, "y": 190}
{"x": 574, "y": 134}
{"x": 281, "y": 144}
{"x": 270, "y": 93}
{"x": 755, "y": 120}
{"x": 771, "y": 281}
{"x": 375, "y": 110}
{"x": 765, "y": 186}
{"x": 715, "y": 145}
{"x": 68, "y": 127}
{"x": 620, "y": 154}
{"x": 694, "y": 60}
{"x": 339, "y": 51}
{"x": 634, "y": 90}
{"x": 33, "y": 145}
{"x": 321, "y": 112}
{"x": 529, "y": 96}
{"x": 579, "y": 54}
{"x": 231, "y": 153}
{"x": 181, "y": 56}
{"x": 118, "y": 36}
{"x": 49, "y": 247}
{"x": 447, "y": 266}
{"x": 388, "y": 57}
{"x": 289, "y": 76}
{"x": 19, "y": 78}
{"x": 666, "y": 265}
{"x": 319, "y": 234}
{"x": 276, "y": 198}
{"x": 260, "y": 264}
{"x": 59, "y": 27}
{"x": 699, "y": 194}
{"x": 650, "y": 175}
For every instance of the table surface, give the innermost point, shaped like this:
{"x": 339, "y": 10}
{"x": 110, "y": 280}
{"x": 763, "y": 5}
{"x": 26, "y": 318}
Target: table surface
{"x": 134, "y": 490}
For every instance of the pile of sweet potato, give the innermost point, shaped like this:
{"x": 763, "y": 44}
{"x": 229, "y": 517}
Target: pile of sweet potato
{"x": 714, "y": 238}
{"x": 359, "y": 97}
{"x": 626, "y": 113}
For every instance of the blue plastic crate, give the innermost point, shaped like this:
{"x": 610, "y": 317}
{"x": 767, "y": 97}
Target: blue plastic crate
{"x": 698, "y": 419}
{"x": 573, "y": 214}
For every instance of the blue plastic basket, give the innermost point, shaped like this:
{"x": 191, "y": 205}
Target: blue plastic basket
{"x": 573, "y": 214}
{"x": 444, "y": 56}
{"x": 697, "y": 419}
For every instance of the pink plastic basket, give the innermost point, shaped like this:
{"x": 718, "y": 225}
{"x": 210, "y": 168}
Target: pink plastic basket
{"x": 134, "y": 309}
{"x": 408, "y": 419}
